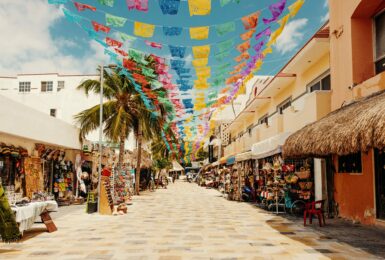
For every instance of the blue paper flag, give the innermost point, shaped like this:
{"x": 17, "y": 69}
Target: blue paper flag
{"x": 172, "y": 31}
{"x": 177, "y": 51}
{"x": 169, "y": 6}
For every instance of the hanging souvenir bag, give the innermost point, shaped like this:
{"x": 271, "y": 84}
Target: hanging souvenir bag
{"x": 303, "y": 173}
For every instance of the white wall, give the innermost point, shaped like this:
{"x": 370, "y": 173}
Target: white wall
{"x": 68, "y": 101}
{"x": 22, "y": 121}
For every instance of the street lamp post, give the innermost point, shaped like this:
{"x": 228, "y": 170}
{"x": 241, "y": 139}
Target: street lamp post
{"x": 100, "y": 134}
{"x": 111, "y": 66}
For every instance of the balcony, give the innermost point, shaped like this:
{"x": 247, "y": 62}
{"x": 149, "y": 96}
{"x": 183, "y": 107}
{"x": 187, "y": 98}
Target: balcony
{"x": 229, "y": 149}
{"x": 308, "y": 109}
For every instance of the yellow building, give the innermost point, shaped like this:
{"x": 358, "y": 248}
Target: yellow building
{"x": 352, "y": 136}
{"x": 299, "y": 94}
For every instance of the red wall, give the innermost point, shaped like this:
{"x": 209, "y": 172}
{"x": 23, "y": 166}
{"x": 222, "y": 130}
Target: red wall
{"x": 355, "y": 193}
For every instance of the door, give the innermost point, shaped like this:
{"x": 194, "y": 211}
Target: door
{"x": 379, "y": 157}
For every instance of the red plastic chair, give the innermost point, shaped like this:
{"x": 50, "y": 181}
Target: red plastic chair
{"x": 314, "y": 208}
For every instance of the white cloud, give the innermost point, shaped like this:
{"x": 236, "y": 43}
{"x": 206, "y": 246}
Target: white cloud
{"x": 291, "y": 36}
{"x": 326, "y": 4}
{"x": 27, "y": 45}
{"x": 325, "y": 18}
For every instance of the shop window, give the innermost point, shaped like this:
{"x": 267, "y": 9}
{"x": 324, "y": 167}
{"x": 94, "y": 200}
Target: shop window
{"x": 321, "y": 83}
{"x": 264, "y": 120}
{"x": 46, "y": 86}
{"x": 379, "y": 22}
{"x": 60, "y": 85}
{"x": 52, "y": 112}
{"x": 24, "y": 86}
{"x": 350, "y": 163}
{"x": 284, "y": 105}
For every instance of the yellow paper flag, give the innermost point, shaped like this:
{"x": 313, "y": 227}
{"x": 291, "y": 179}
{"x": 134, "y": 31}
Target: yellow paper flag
{"x": 294, "y": 8}
{"x": 200, "y": 62}
{"x": 144, "y": 29}
{"x": 201, "y": 52}
{"x": 274, "y": 36}
{"x": 199, "y": 7}
{"x": 199, "y": 33}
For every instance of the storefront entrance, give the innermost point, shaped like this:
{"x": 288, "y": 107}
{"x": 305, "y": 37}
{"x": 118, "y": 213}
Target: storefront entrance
{"x": 379, "y": 157}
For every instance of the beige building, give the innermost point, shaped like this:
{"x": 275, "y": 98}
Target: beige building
{"x": 299, "y": 94}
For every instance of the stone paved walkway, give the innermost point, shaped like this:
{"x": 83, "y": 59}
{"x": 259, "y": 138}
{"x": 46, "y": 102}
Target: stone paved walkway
{"x": 183, "y": 222}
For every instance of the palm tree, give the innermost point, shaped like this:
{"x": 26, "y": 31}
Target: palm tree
{"x": 123, "y": 111}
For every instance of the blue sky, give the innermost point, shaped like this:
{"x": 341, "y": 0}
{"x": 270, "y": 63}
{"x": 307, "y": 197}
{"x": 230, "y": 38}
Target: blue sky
{"x": 53, "y": 44}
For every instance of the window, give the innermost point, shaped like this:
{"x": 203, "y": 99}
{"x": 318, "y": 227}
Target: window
{"x": 250, "y": 129}
{"x": 350, "y": 163}
{"x": 285, "y": 104}
{"x": 24, "y": 86}
{"x": 46, "y": 86}
{"x": 264, "y": 120}
{"x": 379, "y": 22}
{"x": 321, "y": 83}
{"x": 52, "y": 112}
{"x": 60, "y": 85}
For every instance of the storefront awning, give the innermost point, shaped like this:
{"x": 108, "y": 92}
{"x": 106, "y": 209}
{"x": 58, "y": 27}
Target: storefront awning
{"x": 355, "y": 127}
{"x": 243, "y": 156}
{"x": 176, "y": 167}
{"x": 269, "y": 147}
{"x": 215, "y": 163}
{"x": 230, "y": 160}
{"x": 222, "y": 160}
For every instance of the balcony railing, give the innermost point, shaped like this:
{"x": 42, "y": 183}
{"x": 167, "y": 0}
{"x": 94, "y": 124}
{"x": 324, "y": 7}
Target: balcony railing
{"x": 309, "y": 108}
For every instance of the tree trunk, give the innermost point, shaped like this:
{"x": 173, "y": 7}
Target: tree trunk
{"x": 121, "y": 149}
{"x": 139, "y": 147}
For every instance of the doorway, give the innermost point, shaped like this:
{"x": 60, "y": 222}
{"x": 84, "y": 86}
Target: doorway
{"x": 379, "y": 158}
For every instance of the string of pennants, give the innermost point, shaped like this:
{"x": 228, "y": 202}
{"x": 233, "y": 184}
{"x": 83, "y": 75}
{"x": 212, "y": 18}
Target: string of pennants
{"x": 168, "y": 7}
{"x": 194, "y": 97}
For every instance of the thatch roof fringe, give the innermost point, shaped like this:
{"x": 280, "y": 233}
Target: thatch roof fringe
{"x": 356, "y": 127}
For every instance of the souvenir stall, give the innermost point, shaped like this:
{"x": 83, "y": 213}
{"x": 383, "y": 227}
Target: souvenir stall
{"x": 122, "y": 184}
{"x": 282, "y": 185}
{"x": 56, "y": 172}
{"x": 12, "y": 170}
{"x": 235, "y": 183}
{"x": 246, "y": 166}
{"x": 23, "y": 187}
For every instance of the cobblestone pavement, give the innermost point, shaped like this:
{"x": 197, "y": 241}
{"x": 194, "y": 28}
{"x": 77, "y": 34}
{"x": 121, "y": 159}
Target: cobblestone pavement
{"x": 182, "y": 222}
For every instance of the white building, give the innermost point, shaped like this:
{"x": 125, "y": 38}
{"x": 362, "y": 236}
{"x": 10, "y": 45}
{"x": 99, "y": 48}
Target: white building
{"x": 53, "y": 94}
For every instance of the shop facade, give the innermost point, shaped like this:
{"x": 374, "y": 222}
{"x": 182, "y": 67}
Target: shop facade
{"x": 299, "y": 94}
{"x": 351, "y": 152}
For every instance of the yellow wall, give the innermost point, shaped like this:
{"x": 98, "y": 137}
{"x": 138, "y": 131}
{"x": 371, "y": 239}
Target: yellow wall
{"x": 314, "y": 106}
{"x": 352, "y": 65}
{"x": 351, "y": 47}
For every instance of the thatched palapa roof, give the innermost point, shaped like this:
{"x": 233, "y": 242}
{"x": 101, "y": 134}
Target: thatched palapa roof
{"x": 356, "y": 127}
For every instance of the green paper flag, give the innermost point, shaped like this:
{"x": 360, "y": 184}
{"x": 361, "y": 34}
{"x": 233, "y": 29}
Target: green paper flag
{"x": 135, "y": 55}
{"x": 156, "y": 84}
{"x": 222, "y": 55}
{"x": 224, "y": 28}
{"x": 224, "y": 66}
{"x": 126, "y": 37}
{"x": 224, "y": 2}
{"x": 225, "y": 45}
{"x": 148, "y": 72}
{"x": 109, "y": 3}
{"x": 115, "y": 21}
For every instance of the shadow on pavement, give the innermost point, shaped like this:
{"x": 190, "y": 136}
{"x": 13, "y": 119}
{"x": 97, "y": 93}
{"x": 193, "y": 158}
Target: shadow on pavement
{"x": 367, "y": 238}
